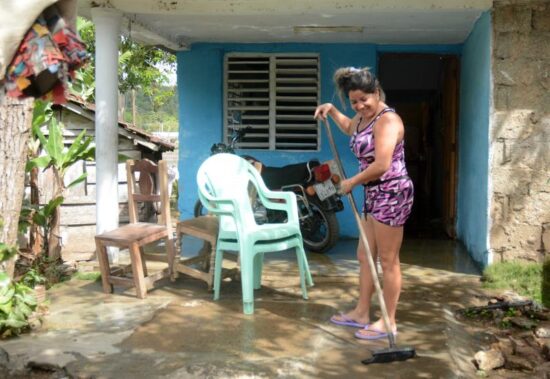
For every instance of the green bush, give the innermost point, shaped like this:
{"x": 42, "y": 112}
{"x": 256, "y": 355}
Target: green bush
{"x": 7, "y": 251}
{"x": 17, "y": 303}
{"x": 546, "y": 283}
{"x": 33, "y": 278}
{"x": 521, "y": 277}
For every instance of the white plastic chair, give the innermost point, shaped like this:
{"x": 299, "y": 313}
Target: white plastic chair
{"x": 223, "y": 182}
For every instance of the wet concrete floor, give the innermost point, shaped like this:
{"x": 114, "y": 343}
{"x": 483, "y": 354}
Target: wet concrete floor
{"x": 179, "y": 332}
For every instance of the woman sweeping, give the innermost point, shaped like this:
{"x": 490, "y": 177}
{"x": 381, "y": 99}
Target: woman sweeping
{"x": 377, "y": 140}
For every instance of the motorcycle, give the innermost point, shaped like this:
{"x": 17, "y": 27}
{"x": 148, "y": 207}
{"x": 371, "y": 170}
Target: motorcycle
{"x": 314, "y": 184}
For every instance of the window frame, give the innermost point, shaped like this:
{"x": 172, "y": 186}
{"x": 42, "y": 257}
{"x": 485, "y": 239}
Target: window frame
{"x": 272, "y": 104}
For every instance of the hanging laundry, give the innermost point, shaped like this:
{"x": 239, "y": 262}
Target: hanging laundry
{"x": 46, "y": 59}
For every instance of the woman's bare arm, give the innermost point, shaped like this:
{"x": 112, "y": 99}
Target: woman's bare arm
{"x": 344, "y": 123}
{"x": 388, "y": 132}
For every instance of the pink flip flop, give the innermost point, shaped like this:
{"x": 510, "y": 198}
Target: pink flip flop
{"x": 346, "y": 321}
{"x": 376, "y": 334}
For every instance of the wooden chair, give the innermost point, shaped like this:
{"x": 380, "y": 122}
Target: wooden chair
{"x": 150, "y": 188}
{"x": 200, "y": 266}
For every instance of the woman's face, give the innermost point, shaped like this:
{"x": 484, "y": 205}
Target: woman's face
{"x": 364, "y": 103}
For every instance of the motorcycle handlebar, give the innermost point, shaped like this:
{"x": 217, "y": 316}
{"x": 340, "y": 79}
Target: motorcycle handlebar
{"x": 238, "y": 134}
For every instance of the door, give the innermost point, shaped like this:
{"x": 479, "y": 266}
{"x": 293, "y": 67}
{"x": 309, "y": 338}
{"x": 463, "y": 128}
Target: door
{"x": 423, "y": 88}
{"x": 450, "y": 151}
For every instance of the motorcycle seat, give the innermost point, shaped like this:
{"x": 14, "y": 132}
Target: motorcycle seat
{"x": 297, "y": 173}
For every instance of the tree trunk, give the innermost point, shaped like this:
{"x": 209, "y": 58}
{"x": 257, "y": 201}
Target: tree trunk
{"x": 54, "y": 240}
{"x": 35, "y": 239}
{"x": 54, "y": 235}
{"x": 15, "y": 126}
{"x": 134, "y": 111}
{"x": 121, "y": 106}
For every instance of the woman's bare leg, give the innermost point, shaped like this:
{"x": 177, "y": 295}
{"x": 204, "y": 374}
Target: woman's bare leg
{"x": 366, "y": 286}
{"x": 388, "y": 243}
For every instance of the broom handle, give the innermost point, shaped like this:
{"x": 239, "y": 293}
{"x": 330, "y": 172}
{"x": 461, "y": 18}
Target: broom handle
{"x": 363, "y": 235}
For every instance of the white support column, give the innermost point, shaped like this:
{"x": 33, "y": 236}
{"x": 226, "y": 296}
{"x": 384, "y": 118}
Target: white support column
{"x": 107, "y": 35}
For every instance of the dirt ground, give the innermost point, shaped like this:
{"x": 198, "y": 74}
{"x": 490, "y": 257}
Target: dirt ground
{"x": 514, "y": 335}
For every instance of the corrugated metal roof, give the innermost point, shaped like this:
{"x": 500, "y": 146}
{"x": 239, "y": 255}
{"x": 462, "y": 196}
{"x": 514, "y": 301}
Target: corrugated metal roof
{"x": 131, "y": 131}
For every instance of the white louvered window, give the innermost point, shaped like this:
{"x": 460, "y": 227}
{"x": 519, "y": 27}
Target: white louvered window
{"x": 275, "y": 95}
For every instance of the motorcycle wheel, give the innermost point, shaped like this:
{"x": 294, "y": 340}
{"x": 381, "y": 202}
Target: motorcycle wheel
{"x": 321, "y": 230}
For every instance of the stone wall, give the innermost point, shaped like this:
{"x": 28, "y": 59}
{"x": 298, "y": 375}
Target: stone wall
{"x": 520, "y": 132}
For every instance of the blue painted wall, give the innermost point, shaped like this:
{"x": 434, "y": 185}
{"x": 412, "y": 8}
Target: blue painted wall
{"x": 473, "y": 140}
{"x": 200, "y": 86}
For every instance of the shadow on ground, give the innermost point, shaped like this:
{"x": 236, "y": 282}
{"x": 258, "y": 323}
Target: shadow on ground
{"x": 179, "y": 332}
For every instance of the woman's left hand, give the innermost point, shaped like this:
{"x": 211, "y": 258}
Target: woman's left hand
{"x": 346, "y": 186}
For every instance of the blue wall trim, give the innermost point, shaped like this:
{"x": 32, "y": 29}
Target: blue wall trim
{"x": 200, "y": 89}
{"x": 473, "y": 140}
{"x": 428, "y": 49}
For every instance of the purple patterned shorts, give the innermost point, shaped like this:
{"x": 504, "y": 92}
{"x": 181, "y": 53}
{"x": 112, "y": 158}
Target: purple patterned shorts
{"x": 390, "y": 202}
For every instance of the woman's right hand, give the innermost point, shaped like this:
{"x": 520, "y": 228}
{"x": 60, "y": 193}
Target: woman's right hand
{"x": 322, "y": 111}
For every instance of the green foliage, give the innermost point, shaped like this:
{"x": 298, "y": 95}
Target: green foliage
{"x": 42, "y": 113}
{"x": 523, "y": 278}
{"x": 144, "y": 104}
{"x": 59, "y": 157}
{"x": 145, "y": 69}
{"x": 505, "y": 324}
{"x": 44, "y": 214}
{"x": 32, "y": 278}
{"x": 154, "y": 121}
{"x": 546, "y": 282}
{"x": 53, "y": 272}
{"x": 92, "y": 276}
{"x": 17, "y": 303}
{"x": 86, "y": 29}
{"x": 151, "y": 117}
{"x": 38, "y": 215}
{"x": 83, "y": 84}
{"x": 25, "y": 217}
{"x": 7, "y": 251}
{"x": 175, "y": 190}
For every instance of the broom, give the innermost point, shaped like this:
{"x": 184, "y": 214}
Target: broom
{"x": 393, "y": 352}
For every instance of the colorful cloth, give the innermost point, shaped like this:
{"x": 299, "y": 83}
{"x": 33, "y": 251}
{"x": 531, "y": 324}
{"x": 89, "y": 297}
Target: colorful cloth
{"x": 389, "y": 199}
{"x": 46, "y": 59}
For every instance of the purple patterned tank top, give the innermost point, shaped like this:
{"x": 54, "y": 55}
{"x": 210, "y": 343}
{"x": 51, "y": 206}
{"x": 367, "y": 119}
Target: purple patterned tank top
{"x": 362, "y": 145}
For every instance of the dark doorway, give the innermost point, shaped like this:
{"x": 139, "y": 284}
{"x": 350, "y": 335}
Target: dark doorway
{"x": 423, "y": 88}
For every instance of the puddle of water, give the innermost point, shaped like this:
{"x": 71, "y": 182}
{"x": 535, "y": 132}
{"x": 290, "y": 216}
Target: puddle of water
{"x": 446, "y": 255}
{"x": 439, "y": 254}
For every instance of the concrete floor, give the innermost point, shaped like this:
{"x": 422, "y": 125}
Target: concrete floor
{"x": 179, "y": 332}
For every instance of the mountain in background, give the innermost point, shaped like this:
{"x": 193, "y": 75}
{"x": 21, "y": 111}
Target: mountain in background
{"x": 162, "y": 119}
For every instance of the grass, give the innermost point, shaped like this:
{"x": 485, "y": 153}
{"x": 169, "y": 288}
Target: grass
{"x": 93, "y": 275}
{"x": 521, "y": 277}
